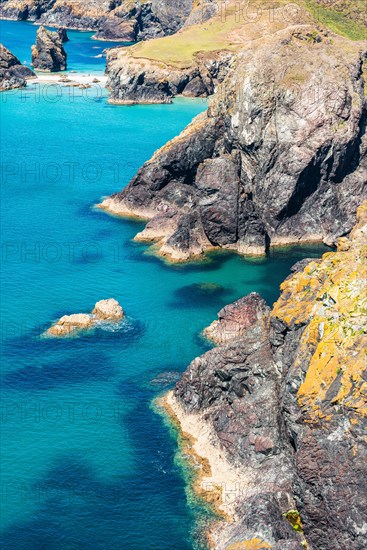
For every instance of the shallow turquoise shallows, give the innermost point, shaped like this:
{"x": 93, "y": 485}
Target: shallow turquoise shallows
{"x": 87, "y": 463}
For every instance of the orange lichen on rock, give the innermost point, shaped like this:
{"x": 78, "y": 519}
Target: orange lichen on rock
{"x": 252, "y": 544}
{"x": 330, "y": 298}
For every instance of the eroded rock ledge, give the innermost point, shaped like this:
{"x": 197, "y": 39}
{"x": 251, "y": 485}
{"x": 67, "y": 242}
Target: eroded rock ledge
{"x": 12, "y": 73}
{"x": 279, "y": 414}
{"x": 279, "y": 157}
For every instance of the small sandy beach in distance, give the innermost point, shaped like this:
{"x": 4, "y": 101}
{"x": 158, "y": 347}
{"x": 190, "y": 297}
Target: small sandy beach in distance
{"x": 70, "y": 79}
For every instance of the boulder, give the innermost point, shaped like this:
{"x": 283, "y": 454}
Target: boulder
{"x": 48, "y": 53}
{"x": 108, "y": 310}
{"x": 71, "y": 323}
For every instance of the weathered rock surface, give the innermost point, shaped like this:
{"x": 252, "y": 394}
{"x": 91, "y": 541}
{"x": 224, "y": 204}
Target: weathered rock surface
{"x": 48, "y": 53}
{"x": 132, "y": 80}
{"x": 108, "y": 310}
{"x": 286, "y": 401}
{"x": 12, "y": 73}
{"x": 63, "y": 35}
{"x": 280, "y": 156}
{"x": 68, "y": 324}
{"x": 236, "y": 318}
{"x": 105, "y": 310}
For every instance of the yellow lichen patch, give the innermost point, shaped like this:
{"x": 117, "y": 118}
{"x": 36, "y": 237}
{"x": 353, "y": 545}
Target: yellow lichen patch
{"x": 295, "y": 520}
{"x": 330, "y": 298}
{"x": 250, "y": 544}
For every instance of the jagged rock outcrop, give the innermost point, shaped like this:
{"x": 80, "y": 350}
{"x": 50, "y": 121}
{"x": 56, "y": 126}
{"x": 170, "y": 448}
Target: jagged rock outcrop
{"x": 286, "y": 405}
{"x": 280, "y": 156}
{"x": 104, "y": 311}
{"x": 132, "y": 80}
{"x": 12, "y": 73}
{"x": 236, "y": 318}
{"x": 319, "y": 338}
{"x": 25, "y": 10}
{"x": 48, "y": 53}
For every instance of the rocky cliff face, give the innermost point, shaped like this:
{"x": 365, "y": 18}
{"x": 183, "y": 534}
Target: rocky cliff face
{"x": 48, "y": 53}
{"x": 12, "y": 73}
{"x": 285, "y": 403}
{"x": 113, "y": 20}
{"x": 279, "y": 157}
{"x": 132, "y": 80}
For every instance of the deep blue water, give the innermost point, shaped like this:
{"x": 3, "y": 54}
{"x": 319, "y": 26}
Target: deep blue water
{"x": 87, "y": 463}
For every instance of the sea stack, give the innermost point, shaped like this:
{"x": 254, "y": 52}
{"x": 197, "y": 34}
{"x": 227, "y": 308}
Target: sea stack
{"x": 48, "y": 53}
{"x": 12, "y": 73}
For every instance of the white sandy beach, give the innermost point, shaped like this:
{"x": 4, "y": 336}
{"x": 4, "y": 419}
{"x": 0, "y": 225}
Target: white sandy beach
{"x": 73, "y": 79}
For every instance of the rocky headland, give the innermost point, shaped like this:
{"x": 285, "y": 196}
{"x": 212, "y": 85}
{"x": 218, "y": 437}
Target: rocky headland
{"x": 275, "y": 418}
{"x": 12, "y": 73}
{"x": 48, "y": 54}
{"x": 279, "y": 157}
{"x": 105, "y": 311}
{"x": 133, "y": 80}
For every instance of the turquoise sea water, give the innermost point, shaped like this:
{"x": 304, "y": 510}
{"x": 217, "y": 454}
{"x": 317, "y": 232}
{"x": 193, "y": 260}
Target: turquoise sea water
{"x": 86, "y": 462}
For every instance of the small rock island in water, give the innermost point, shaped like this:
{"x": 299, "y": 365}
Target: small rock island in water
{"x": 104, "y": 311}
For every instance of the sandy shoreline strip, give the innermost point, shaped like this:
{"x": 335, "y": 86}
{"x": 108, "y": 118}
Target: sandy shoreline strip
{"x": 74, "y": 79}
{"x": 217, "y": 479}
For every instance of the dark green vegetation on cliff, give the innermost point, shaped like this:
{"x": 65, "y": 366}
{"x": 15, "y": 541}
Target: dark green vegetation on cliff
{"x": 347, "y": 17}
